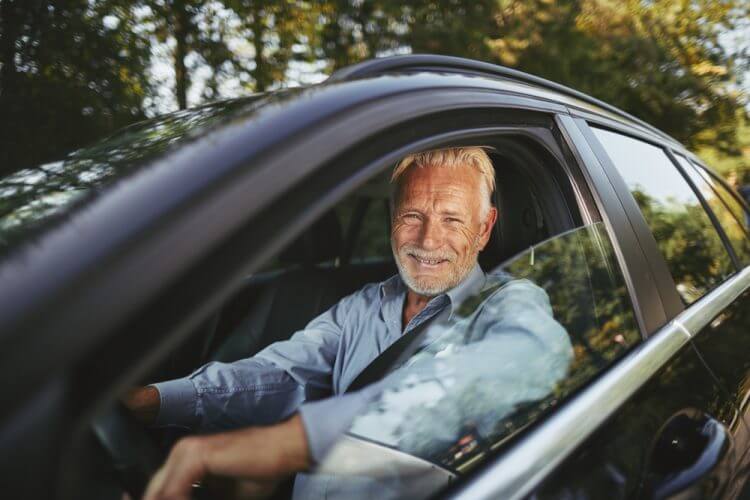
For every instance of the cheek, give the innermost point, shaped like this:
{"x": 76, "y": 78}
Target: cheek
{"x": 463, "y": 238}
{"x": 402, "y": 233}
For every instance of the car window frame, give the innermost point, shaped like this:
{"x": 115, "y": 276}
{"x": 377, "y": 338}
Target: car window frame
{"x": 658, "y": 264}
{"x": 151, "y": 333}
{"x": 631, "y": 236}
{"x": 84, "y": 330}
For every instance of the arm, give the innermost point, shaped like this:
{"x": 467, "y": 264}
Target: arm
{"x": 262, "y": 455}
{"x": 255, "y": 391}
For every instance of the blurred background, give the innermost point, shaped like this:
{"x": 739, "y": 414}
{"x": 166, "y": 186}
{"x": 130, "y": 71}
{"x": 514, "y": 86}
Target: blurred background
{"x": 74, "y": 71}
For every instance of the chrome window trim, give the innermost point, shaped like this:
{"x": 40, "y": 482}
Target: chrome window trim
{"x": 519, "y": 470}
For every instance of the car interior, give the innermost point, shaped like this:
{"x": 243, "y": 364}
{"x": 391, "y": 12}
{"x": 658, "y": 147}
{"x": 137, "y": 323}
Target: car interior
{"x": 344, "y": 249}
{"x": 349, "y": 246}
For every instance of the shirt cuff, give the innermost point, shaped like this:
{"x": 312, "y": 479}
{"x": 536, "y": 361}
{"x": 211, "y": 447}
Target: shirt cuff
{"x": 177, "y": 403}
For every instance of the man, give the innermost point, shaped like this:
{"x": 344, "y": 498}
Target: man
{"x": 442, "y": 219}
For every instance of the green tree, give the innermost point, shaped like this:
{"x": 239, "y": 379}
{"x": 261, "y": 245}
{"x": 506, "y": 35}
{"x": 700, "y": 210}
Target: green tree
{"x": 72, "y": 71}
{"x": 660, "y": 60}
{"x": 247, "y": 40}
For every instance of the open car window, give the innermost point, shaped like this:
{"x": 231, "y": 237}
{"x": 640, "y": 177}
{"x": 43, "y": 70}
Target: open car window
{"x": 544, "y": 323}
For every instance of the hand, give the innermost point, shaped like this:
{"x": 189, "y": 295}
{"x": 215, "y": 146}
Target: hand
{"x": 143, "y": 403}
{"x": 257, "y": 456}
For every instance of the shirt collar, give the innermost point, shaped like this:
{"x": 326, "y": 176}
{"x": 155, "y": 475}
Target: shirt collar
{"x": 471, "y": 285}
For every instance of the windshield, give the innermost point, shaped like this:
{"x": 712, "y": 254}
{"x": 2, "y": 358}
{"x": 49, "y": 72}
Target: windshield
{"x": 542, "y": 325}
{"x": 34, "y": 198}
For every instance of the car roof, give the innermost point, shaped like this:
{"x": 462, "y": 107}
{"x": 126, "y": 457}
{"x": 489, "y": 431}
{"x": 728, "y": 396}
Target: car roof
{"x": 440, "y": 64}
{"x": 62, "y": 186}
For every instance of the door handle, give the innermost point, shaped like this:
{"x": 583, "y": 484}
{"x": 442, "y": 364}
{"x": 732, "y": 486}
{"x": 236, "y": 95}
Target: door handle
{"x": 687, "y": 454}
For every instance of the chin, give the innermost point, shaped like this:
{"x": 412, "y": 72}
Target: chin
{"x": 428, "y": 286}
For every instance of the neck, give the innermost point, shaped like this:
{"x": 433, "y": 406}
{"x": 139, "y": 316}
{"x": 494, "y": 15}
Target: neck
{"x": 413, "y": 304}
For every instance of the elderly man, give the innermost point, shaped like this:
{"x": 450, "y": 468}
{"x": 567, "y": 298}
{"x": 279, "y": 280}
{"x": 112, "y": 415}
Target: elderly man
{"x": 293, "y": 392}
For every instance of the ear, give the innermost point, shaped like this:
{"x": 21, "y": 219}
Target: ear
{"x": 485, "y": 229}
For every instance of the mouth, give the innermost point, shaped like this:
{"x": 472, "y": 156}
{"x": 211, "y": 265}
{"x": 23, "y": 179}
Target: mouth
{"x": 426, "y": 262}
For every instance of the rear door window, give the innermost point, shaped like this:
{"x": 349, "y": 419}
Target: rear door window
{"x": 731, "y": 220}
{"x": 684, "y": 233}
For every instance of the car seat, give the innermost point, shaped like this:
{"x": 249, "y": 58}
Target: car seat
{"x": 520, "y": 223}
{"x": 288, "y": 301}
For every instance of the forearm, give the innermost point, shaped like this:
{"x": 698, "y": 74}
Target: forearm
{"x": 260, "y": 455}
{"x": 224, "y": 396}
{"x": 258, "y": 452}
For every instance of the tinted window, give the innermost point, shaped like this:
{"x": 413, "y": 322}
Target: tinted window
{"x": 494, "y": 367}
{"x": 731, "y": 220}
{"x": 683, "y": 230}
{"x": 34, "y": 198}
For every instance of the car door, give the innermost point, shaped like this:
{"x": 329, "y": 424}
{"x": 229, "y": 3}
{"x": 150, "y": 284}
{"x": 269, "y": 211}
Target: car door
{"x": 95, "y": 300}
{"x": 680, "y": 434}
{"x": 602, "y": 291}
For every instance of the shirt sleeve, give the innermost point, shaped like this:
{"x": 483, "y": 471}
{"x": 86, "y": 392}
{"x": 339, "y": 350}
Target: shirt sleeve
{"x": 262, "y": 389}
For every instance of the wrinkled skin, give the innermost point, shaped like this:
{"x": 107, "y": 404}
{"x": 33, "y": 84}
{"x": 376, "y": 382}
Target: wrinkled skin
{"x": 439, "y": 228}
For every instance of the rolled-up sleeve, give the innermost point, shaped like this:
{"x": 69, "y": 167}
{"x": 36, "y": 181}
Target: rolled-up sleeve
{"x": 260, "y": 390}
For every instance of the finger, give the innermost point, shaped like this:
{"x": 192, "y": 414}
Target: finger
{"x": 156, "y": 485}
{"x": 175, "y": 479}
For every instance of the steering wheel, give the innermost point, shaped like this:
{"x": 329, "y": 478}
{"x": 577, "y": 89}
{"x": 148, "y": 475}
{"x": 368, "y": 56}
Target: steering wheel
{"x": 132, "y": 452}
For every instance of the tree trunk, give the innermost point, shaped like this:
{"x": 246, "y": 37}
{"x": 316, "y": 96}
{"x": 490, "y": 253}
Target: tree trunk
{"x": 181, "y": 31}
{"x": 260, "y": 73}
{"x": 10, "y": 30}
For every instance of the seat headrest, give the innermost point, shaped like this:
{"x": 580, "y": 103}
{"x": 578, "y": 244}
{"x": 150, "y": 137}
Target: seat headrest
{"x": 320, "y": 243}
{"x": 520, "y": 222}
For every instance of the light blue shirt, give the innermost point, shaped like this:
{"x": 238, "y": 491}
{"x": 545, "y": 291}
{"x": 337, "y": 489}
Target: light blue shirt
{"x": 513, "y": 324}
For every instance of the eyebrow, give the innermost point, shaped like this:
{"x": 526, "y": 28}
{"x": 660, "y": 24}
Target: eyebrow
{"x": 452, "y": 213}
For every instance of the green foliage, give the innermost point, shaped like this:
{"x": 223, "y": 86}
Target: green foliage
{"x": 660, "y": 60}
{"x": 69, "y": 75}
{"x": 739, "y": 163}
{"x": 72, "y": 71}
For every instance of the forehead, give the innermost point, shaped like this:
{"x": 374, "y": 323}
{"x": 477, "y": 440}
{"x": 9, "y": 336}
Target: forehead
{"x": 448, "y": 183}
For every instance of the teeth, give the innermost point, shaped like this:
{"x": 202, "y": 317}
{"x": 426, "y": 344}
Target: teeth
{"x": 428, "y": 261}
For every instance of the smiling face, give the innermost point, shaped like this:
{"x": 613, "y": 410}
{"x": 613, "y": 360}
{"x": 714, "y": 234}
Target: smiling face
{"x": 438, "y": 227}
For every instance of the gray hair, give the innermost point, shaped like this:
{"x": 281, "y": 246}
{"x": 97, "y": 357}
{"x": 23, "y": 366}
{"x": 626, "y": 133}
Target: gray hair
{"x": 469, "y": 156}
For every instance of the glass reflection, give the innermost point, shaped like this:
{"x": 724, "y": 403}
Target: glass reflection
{"x": 730, "y": 216}
{"x": 466, "y": 392}
{"x": 683, "y": 231}
{"x": 34, "y": 198}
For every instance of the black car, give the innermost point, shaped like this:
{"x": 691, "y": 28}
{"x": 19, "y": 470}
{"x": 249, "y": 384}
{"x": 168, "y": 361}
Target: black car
{"x": 210, "y": 233}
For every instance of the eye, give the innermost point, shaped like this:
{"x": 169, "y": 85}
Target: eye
{"x": 453, "y": 220}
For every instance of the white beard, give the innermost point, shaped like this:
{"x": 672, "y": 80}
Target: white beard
{"x": 433, "y": 287}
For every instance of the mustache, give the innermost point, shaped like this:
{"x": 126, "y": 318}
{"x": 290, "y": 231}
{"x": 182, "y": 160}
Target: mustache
{"x": 421, "y": 253}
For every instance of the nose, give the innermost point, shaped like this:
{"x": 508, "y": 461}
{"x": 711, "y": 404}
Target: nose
{"x": 431, "y": 235}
